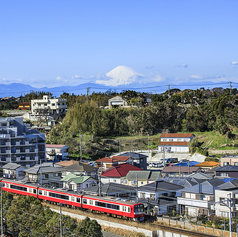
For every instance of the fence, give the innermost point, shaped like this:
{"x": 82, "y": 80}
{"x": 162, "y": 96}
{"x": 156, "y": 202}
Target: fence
{"x": 189, "y": 226}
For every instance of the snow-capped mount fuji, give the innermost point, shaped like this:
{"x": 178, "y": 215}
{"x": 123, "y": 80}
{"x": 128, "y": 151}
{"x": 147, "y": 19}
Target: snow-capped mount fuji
{"x": 121, "y": 75}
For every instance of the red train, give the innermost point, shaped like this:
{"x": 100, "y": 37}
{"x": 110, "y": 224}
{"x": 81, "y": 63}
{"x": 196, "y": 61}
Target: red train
{"x": 103, "y": 204}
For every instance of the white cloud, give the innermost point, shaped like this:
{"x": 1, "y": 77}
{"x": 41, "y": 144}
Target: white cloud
{"x": 58, "y": 78}
{"x": 185, "y": 65}
{"x": 234, "y": 62}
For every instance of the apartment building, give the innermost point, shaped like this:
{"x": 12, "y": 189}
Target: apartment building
{"x": 48, "y": 106}
{"x": 19, "y": 143}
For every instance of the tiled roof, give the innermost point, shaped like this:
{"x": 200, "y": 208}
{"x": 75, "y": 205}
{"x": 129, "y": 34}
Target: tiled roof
{"x": 112, "y": 159}
{"x": 67, "y": 162}
{"x": 68, "y": 177}
{"x": 177, "y": 135}
{"x": 207, "y": 164}
{"x": 138, "y": 175}
{"x": 110, "y": 188}
{"x": 160, "y": 186}
{"x": 54, "y": 146}
{"x": 119, "y": 170}
{"x": 80, "y": 179}
{"x": 121, "y": 158}
{"x": 79, "y": 167}
{"x": 182, "y": 169}
{"x": 11, "y": 166}
{"x": 133, "y": 155}
{"x": 227, "y": 168}
{"x": 173, "y": 143}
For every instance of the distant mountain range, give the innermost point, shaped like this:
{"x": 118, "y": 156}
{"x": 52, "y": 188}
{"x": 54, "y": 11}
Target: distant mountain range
{"x": 18, "y": 89}
{"x": 118, "y": 79}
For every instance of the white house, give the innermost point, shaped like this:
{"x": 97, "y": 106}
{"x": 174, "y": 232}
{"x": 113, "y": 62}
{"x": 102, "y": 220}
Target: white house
{"x": 56, "y": 152}
{"x": 47, "y": 107}
{"x": 175, "y": 142}
{"x": 13, "y": 171}
{"x": 117, "y": 102}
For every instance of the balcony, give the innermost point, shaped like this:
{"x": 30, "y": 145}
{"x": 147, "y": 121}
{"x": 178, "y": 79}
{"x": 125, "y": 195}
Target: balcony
{"x": 194, "y": 202}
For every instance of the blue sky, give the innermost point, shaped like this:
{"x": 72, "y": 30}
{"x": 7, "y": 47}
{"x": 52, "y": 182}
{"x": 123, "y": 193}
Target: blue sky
{"x": 53, "y": 43}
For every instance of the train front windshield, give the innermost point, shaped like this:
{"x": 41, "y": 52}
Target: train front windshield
{"x": 139, "y": 208}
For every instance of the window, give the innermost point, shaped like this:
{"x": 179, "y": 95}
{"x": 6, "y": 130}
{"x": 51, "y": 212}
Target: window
{"x": 45, "y": 193}
{"x": 72, "y": 199}
{"x": 78, "y": 200}
{"x": 226, "y": 163}
{"x": 60, "y": 196}
{"x": 46, "y": 176}
{"x": 107, "y": 205}
{"x": 4, "y": 158}
{"x": 90, "y": 202}
{"x": 84, "y": 201}
{"x": 18, "y": 187}
{"x": 236, "y": 164}
{"x": 139, "y": 208}
{"x": 142, "y": 195}
{"x": 40, "y": 192}
{"x": 53, "y": 104}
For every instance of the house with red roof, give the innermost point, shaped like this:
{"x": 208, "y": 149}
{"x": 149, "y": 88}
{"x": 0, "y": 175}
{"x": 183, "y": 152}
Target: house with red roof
{"x": 108, "y": 162}
{"x": 175, "y": 142}
{"x": 117, "y": 174}
{"x": 56, "y": 152}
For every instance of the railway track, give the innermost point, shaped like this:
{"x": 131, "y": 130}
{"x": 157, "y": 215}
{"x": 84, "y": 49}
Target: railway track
{"x": 181, "y": 231}
{"x": 147, "y": 225}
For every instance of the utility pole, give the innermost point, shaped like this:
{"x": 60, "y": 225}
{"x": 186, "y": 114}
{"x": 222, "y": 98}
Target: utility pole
{"x": 40, "y": 173}
{"x": 80, "y": 137}
{"x": 230, "y": 217}
{"x": 130, "y": 153}
{"x": 61, "y": 231}
{"x": 99, "y": 179}
{"x": 120, "y": 145}
{"x": 148, "y": 142}
{"x": 1, "y": 212}
{"x": 88, "y": 93}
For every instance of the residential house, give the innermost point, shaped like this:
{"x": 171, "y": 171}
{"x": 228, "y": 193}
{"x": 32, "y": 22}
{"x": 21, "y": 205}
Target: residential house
{"x": 78, "y": 182}
{"x": 206, "y": 165}
{"x": 117, "y": 102}
{"x": 112, "y": 189}
{"x": 19, "y": 143}
{"x": 175, "y": 142}
{"x": 229, "y": 160}
{"x": 143, "y": 177}
{"x": 198, "y": 199}
{"x": 55, "y": 152}
{"x": 161, "y": 195}
{"x": 80, "y": 168}
{"x": 179, "y": 170}
{"x": 45, "y": 174}
{"x": 24, "y": 106}
{"x": 13, "y": 171}
{"x": 107, "y": 162}
{"x": 227, "y": 171}
{"x": 47, "y": 106}
{"x": 117, "y": 174}
{"x": 226, "y": 191}
{"x": 136, "y": 159}
{"x": 66, "y": 163}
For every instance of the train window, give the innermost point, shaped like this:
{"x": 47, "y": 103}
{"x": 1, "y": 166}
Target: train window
{"x": 124, "y": 208}
{"x": 40, "y": 192}
{"x": 3, "y": 185}
{"x": 139, "y": 208}
{"x": 60, "y": 196}
{"x": 18, "y": 187}
{"x": 107, "y": 205}
{"x": 90, "y": 202}
{"x": 78, "y": 199}
{"x": 85, "y": 201}
{"x": 30, "y": 190}
{"x": 72, "y": 199}
{"x": 34, "y": 190}
{"x": 128, "y": 209}
{"x": 45, "y": 193}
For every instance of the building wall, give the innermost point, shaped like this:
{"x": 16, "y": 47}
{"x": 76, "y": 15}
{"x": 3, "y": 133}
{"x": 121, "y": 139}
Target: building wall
{"x": 229, "y": 161}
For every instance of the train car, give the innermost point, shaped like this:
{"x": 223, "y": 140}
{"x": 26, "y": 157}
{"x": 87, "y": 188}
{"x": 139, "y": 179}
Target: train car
{"x": 20, "y": 188}
{"x": 108, "y": 205}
